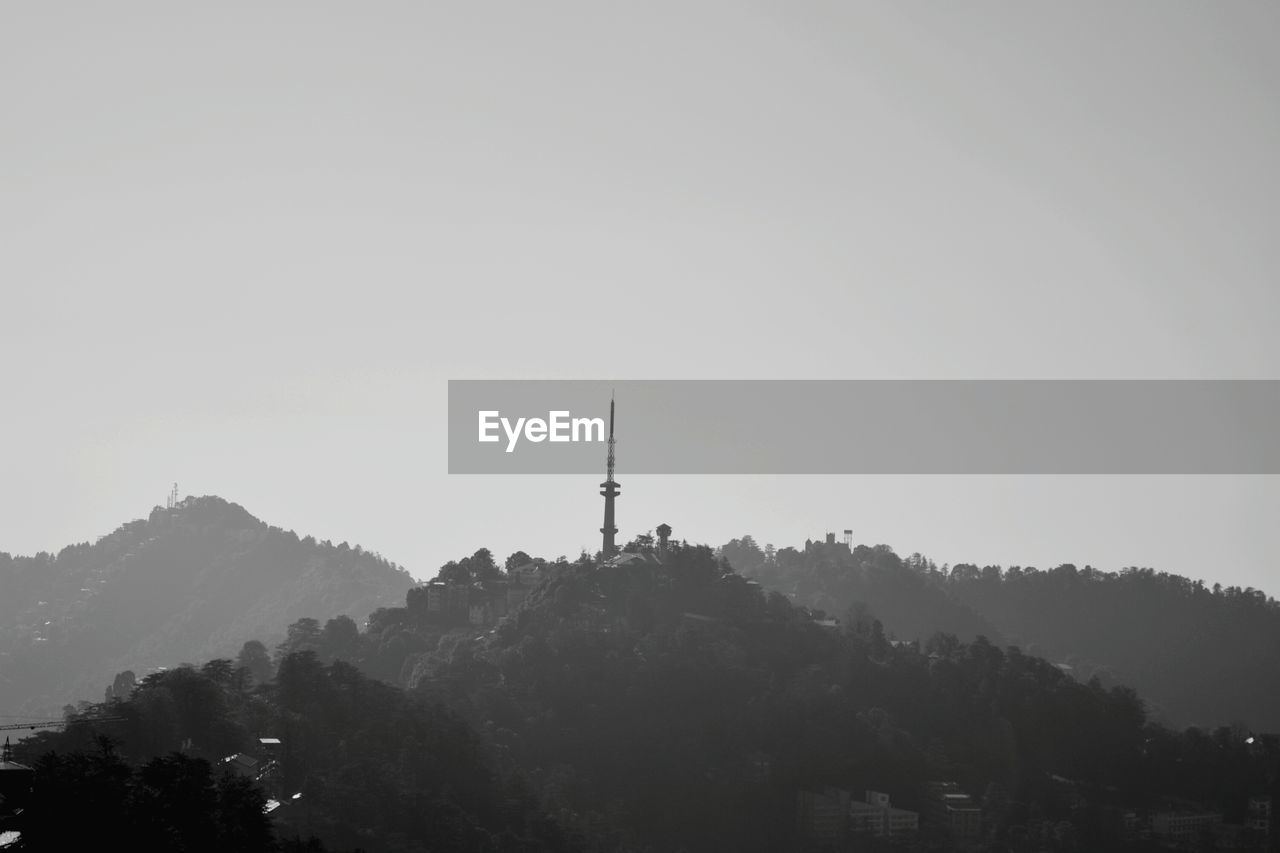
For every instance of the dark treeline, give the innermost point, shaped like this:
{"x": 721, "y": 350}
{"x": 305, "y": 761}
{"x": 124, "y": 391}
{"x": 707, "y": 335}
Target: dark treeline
{"x": 174, "y": 802}
{"x": 663, "y": 704}
{"x": 1197, "y": 654}
{"x": 362, "y": 766}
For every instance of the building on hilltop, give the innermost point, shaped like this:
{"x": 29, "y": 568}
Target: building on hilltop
{"x": 480, "y": 603}
{"x": 829, "y": 545}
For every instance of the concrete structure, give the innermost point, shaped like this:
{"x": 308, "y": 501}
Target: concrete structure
{"x": 245, "y": 765}
{"x": 1182, "y": 827}
{"x": 956, "y": 812}
{"x": 480, "y": 603}
{"x": 1258, "y": 815}
{"x": 878, "y": 817}
{"x": 445, "y": 600}
{"x": 829, "y": 546}
{"x": 1135, "y": 827}
{"x": 824, "y": 816}
{"x": 664, "y": 537}
{"x": 834, "y": 814}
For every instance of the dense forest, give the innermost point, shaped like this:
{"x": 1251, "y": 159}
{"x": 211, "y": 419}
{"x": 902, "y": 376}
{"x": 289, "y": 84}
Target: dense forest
{"x": 656, "y": 702}
{"x": 190, "y": 582}
{"x": 361, "y": 765}
{"x": 1198, "y": 655}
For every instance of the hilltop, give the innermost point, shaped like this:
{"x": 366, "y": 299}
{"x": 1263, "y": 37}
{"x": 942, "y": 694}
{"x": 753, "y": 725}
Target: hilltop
{"x": 191, "y": 582}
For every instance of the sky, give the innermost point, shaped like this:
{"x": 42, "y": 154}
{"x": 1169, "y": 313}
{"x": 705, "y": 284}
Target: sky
{"x": 244, "y": 246}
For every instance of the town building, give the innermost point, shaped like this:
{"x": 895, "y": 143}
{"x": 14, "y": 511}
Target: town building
{"x": 482, "y": 603}
{"x": 245, "y": 765}
{"x": 1183, "y": 826}
{"x": 878, "y": 816}
{"x": 955, "y": 811}
{"x": 833, "y": 814}
{"x": 823, "y": 816}
{"x": 16, "y": 781}
{"x": 1258, "y": 815}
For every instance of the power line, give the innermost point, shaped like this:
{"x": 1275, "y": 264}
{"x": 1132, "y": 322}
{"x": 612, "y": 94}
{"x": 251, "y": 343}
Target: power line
{"x": 47, "y": 724}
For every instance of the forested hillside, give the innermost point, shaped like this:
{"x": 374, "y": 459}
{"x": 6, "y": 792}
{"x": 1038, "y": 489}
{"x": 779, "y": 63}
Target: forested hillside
{"x": 1197, "y": 655}
{"x": 656, "y": 702}
{"x": 360, "y": 766}
{"x": 187, "y": 583}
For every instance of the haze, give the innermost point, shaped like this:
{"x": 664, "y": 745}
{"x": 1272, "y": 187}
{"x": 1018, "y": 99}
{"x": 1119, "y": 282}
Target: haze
{"x": 244, "y": 247}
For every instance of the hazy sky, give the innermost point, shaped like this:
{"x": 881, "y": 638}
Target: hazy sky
{"x": 244, "y": 245}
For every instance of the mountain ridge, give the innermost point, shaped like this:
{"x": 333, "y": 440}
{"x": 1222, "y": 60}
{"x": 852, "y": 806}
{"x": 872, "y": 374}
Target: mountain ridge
{"x": 1178, "y": 642}
{"x": 188, "y": 582}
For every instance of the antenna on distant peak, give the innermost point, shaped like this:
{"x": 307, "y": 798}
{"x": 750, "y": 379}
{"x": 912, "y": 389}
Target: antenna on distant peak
{"x": 611, "y": 440}
{"x": 609, "y": 489}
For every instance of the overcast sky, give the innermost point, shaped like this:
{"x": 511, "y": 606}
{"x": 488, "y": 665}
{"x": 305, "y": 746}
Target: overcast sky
{"x": 244, "y": 245}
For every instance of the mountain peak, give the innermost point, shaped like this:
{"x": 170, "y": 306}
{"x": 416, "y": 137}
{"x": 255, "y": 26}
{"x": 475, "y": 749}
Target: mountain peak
{"x": 188, "y": 582}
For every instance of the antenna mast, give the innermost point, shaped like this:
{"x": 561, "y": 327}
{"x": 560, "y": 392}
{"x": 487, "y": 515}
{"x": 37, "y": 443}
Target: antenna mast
{"x": 609, "y": 489}
{"x": 611, "y": 442}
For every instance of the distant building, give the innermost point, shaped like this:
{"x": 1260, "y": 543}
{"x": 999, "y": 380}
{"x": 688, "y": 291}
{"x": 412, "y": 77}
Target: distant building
{"x": 1134, "y": 827}
{"x": 245, "y": 765}
{"x": 448, "y": 602}
{"x": 878, "y": 816}
{"x": 955, "y": 811}
{"x": 482, "y": 603}
{"x": 1183, "y": 826}
{"x": 1258, "y": 815}
{"x": 520, "y": 582}
{"x": 15, "y": 785}
{"x": 483, "y": 612}
{"x": 664, "y": 540}
{"x": 824, "y": 816}
{"x": 833, "y": 814}
{"x": 829, "y": 545}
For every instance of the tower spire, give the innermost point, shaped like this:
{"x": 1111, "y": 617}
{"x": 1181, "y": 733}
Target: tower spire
{"x": 610, "y": 489}
{"x": 611, "y": 441}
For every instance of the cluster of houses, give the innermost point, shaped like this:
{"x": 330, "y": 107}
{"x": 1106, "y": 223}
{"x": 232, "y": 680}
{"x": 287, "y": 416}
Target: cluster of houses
{"x": 264, "y": 769}
{"x": 1192, "y": 828}
{"x": 481, "y": 603}
{"x": 833, "y": 815}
